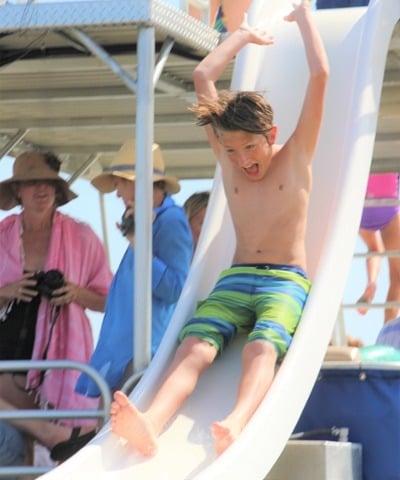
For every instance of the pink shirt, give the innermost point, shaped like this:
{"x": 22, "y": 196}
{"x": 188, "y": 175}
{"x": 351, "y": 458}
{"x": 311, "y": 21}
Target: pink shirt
{"x": 76, "y": 251}
{"x": 383, "y": 185}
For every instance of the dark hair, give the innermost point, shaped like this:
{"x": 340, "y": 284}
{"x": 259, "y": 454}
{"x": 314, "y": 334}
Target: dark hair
{"x": 52, "y": 160}
{"x": 233, "y": 111}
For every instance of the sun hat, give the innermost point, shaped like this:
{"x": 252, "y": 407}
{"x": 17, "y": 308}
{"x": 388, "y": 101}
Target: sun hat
{"x": 34, "y": 166}
{"x": 124, "y": 166}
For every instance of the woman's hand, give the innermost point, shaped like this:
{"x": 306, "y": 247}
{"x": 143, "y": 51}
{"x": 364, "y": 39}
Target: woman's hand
{"x": 65, "y": 295}
{"x": 21, "y": 290}
{"x": 297, "y": 8}
{"x": 83, "y": 296}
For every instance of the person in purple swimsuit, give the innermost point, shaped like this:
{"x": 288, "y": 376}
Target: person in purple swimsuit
{"x": 380, "y": 231}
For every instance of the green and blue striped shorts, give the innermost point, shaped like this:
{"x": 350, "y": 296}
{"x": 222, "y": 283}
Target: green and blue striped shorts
{"x": 266, "y": 301}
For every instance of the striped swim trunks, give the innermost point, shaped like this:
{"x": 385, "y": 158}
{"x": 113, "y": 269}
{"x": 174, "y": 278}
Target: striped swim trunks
{"x": 266, "y": 301}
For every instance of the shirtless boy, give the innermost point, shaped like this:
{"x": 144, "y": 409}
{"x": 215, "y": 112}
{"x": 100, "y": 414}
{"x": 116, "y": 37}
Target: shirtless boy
{"x": 267, "y": 187}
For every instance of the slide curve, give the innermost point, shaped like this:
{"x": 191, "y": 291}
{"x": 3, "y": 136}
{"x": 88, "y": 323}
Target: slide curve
{"x": 357, "y": 41}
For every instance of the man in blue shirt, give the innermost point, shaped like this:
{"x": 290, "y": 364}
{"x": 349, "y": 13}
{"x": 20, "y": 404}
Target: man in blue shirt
{"x": 172, "y": 253}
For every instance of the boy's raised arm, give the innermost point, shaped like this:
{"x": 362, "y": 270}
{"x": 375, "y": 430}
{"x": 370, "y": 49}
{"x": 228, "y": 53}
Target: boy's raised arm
{"x": 308, "y": 126}
{"x": 213, "y": 65}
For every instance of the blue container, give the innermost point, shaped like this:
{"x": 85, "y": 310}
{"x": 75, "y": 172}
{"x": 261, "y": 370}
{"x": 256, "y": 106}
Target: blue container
{"x": 340, "y": 3}
{"x": 366, "y": 399}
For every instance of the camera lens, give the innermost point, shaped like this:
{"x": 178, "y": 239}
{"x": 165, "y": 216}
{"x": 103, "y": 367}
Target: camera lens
{"x": 48, "y": 281}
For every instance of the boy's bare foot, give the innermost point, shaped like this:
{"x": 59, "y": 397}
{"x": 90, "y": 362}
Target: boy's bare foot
{"x": 129, "y": 423}
{"x": 224, "y": 435}
{"x": 366, "y": 297}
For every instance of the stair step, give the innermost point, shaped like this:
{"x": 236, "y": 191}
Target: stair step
{"x": 318, "y": 460}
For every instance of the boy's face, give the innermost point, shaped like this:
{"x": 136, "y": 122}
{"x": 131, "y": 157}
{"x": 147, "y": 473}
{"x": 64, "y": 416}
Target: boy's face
{"x": 250, "y": 152}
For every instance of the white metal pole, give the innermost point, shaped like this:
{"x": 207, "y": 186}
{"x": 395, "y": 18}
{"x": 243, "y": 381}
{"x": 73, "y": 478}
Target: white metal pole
{"x": 144, "y": 197}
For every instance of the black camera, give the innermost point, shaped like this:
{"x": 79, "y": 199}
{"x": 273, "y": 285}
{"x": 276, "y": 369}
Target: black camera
{"x": 127, "y": 224}
{"x": 48, "y": 281}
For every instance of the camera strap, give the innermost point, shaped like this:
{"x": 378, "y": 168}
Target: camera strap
{"x": 54, "y": 315}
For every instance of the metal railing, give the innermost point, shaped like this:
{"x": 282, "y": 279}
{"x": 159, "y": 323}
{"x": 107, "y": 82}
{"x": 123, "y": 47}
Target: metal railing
{"x": 131, "y": 382}
{"x": 339, "y": 333}
{"x": 23, "y": 365}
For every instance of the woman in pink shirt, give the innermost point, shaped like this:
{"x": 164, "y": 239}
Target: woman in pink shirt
{"x": 53, "y": 268}
{"x": 380, "y": 230}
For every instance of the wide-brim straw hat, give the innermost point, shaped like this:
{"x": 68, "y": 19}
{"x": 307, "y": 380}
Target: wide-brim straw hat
{"x": 32, "y": 166}
{"x": 124, "y": 166}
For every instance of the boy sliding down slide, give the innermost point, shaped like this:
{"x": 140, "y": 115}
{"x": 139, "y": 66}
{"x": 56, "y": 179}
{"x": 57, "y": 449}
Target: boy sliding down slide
{"x": 264, "y": 291}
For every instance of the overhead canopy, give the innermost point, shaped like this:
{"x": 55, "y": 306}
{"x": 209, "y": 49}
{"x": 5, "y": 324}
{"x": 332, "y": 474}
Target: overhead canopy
{"x": 57, "y": 94}
{"x": 59, "y": 89}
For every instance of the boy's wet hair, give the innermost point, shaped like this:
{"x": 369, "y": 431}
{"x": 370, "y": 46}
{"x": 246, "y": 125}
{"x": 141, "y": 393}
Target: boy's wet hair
{"x": 233, "y": 111}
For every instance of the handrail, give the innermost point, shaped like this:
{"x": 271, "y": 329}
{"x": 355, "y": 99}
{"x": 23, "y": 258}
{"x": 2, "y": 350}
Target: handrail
{"x": 132, "y": 381}
{"x": 339, "y": 333}
{"x": 6, "y": 472}
{"x": 386, "y": 253}
{"x": 23, "y": 365}
{"x": 374, "y": 305}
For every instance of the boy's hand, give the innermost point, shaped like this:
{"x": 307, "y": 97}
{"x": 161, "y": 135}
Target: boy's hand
{"x": 257, "y": 35}
{"x": 297, "y": 8}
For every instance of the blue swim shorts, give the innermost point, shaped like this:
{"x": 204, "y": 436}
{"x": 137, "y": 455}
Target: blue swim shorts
{"x": 266, "y": 301}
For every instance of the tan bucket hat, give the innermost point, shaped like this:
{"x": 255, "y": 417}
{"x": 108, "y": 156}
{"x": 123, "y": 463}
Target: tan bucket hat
{"x": 34, "y": 166}
{"x": 123, "y": 165}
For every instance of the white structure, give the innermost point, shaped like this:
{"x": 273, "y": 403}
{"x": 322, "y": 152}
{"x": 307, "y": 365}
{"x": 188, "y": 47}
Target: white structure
{"x": 357, "y": 41}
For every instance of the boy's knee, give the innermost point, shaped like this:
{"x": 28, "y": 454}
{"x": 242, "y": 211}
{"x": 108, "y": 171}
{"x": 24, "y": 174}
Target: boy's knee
{"x": 262, "y": 348}
{"x": 200, "y": 349}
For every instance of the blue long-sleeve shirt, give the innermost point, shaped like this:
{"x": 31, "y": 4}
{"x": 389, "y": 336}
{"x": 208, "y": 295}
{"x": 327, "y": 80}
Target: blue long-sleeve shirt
{"x": 172, "y": 254}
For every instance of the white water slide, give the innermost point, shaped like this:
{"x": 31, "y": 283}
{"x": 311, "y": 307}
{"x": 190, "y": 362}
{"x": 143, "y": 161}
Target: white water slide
{"x": 357, "y": 42}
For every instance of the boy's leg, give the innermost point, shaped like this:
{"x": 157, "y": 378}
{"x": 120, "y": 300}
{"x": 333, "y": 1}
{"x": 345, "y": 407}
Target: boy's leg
{"x": 259, "y": 359}
{"x": 141, "y": 430}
